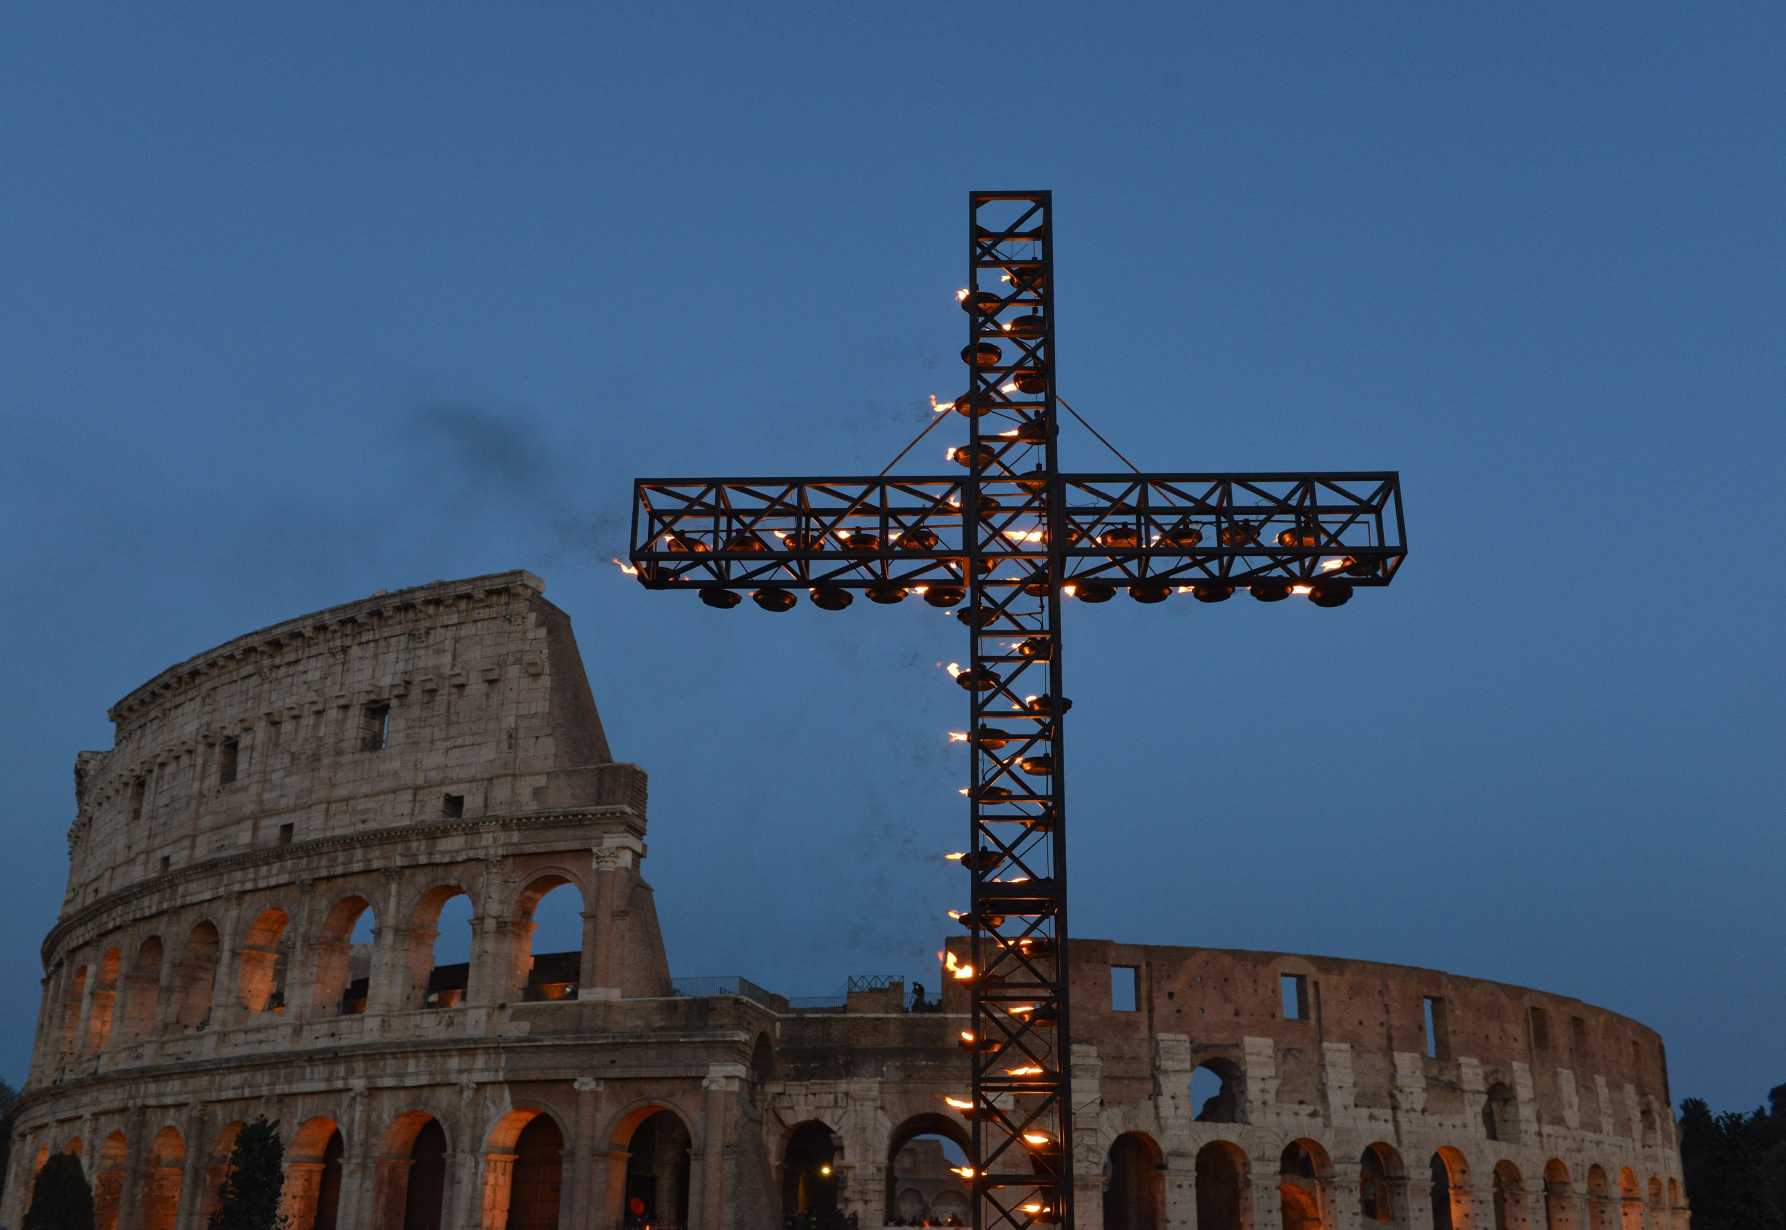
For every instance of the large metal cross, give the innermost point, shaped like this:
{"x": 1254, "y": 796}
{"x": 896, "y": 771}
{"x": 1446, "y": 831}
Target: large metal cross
{"x": 1003, "y": 542}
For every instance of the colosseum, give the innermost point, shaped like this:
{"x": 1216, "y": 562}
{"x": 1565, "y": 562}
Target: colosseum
{"x": 258, "y": 870}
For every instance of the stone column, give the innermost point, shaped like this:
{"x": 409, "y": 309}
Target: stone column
{"x": 721, "y": 1086}
{"x": 297, "y": 1200}
{"x": 354, "y": 1211}
{"x": 607, "y": 1186}
{"x": 499, "y": 1177}
{"x": 79, "y": 1049}
{"x": 390, "y": 1191}
{"x": 299, "y": 990}
{"x": 133, "y": 1167}
{"x": 1180, "y": 1183}
{"x": 614, "y": 862}
{"x": 459, "y": 1204}
{"x": 1339, "y": 1196}
{"x": 387, "y": 980}
{"x": 226, "y": 989}
{"x": 192, "y": 1183}
{"x": 1417, "y": 1209}
{"x": 1268, "y": 1203}
{"x": 577, "y": 1185}
{"x": 591, "y": 957}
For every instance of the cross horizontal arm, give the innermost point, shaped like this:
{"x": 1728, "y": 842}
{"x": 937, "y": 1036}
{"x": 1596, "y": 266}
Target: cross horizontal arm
{"x": 1121, "y": 530}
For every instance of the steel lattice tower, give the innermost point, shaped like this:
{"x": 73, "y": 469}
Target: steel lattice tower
{"x": 1004, "y": 542}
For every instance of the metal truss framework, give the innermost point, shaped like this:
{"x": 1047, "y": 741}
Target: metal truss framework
{"x": 1004, "y": 541}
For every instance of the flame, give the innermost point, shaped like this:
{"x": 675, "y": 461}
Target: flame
{"x": 967, "y": 1035}
{"x": 1328, "y": 565}
{"x": 954, "y": 968}
{"x": 628, "y": 569}
{"x": 1026, "y": 1069}
{"x": 920, "y": 590}
{"x": 1034, "y": 1206}
{"x": 961, "y": 295}
{"x": 958, "y": 736}
{"x": 955, "y": 1103}
{"x": 957, "y": 915}
{"x": 1006, "y": 326}
{"x": 966, "y": 1172}
{"x": 1069, "y": 589}
{"x": 1006, "y": 435}
{"x": 940, "y": 407}
{"x": 1184, "y": 589}
{"x": 1302, "y": 589}
{"x": 1037, "y": 1138}
{"x": 1023, "y": 535}
{"x": 949, "y": 452}
{"x": 955, "y": 856}
{"x": 1021, "y": 1009}
{"x": 1009, "y": 386}
{"x": 954, "y": 669}
{"x": 962, "y": 790}
{"x": 1004, "y": 277}
{"x": 1028, "y": 699}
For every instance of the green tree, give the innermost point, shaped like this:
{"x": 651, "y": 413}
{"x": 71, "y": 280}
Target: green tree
{"x": 248, "y": 1198}
{"x": 60, "y": 1199}
{"x": 1735, "y": 1166}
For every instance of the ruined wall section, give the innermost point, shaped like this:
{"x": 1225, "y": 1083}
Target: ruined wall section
{"x": 448, "y": 700}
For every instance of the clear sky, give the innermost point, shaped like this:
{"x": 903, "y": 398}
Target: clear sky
{"x": 300, "y": 303}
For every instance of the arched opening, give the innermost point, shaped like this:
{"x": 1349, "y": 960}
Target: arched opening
{"x": 142, "y": 987}
{"x": 1303, "y": 1174}
{"x": 523, "y": 1172}
{"x": 217, "y": 1167}
{"x": 103, "y": 1000}
{"x": 1450, "y": 1189}
{"x": 920, "y": 1183}
{"x": 655, "y": 1187}
{"x": 1509, "y": 1197}
{"x": 1559, "y": 1197}
{"x": 1382, "y": 1186}
{"x": 1646, "y": 1125}
{"x": 1134, "y": 1187}
{"x": 1600, "y": 1215}
{"x": 808, "y": 1176}
{"x": 1500, "y": 1114}
{"x": 160, "y": 1197}
{"x": 1218, "y": 1092}
{"x": 1630, "y": 1202}
{"x": 71, "y": 1013}
{"x": 196, "y": 980}
{"x": 312, "y": 1194}
{"x": 549, "y": 940}
{"x": 1224, "y": 1196}
{"x": 261, "y": 981}
{"x": 343, "y": 957}
{"x": 1658, "y": 1210}
{"x": 763, "y": 1068}
{"x": 108, "y": 1181}
{"x": 412, "y": 1173}
{"x": 440, "y": 948}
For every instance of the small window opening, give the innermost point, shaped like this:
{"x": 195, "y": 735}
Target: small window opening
{"x": 1293, "y": 991}
{"x": 1540, "y": 1030}
{"x": 139, "y": 790}
{"x": 453, "y": 807}
{"x": 229, "y": 755}
{"x": 1438, "y": 1036}
{"x": 1636, "y": 1056}
{"x": 285, "y": 832}
{"x": 166, "y": 862}
{"x": 1123, "y": 988}
{"x": 1578, "y": 1039}
{"x": 376, "y": 729}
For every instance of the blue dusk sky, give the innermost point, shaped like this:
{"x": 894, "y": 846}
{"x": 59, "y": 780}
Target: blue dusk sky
{"x": 305, "y": 302}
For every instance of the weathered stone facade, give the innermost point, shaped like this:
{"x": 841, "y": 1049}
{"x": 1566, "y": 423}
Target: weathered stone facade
{"x": 380, "y": 758}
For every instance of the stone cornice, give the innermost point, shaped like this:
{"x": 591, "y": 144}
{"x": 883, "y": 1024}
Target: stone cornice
{"x": 183, "y": 674}
{"x": 274, "y": 855}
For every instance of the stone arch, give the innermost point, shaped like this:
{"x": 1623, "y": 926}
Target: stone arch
{"x": 1305, "y": 1177}
{"x": 1559, "y": 1196}
{"x": 650, "y": 1144}
{"x": 409, "y": 1190}
{"x": 1509, "y": 1197}
{"x": 763, "y": 1067}
{"x": 1630, "y": 1201}
{"x": 1220, "y": 1085}
{"x": 1224, "y": 1187}
{"x": 524, "y": 1171}
{"x": 1648, "y": 1134}
{"x": 142, "y": 989}
{"x": 108, "y": 1180}
{"x": 1382, "y": 1186}
{"x": 808, "y": 1179}
{"x": 918, "y": 1165}
{"x": 217, "y": 1166}
{"x": 71, "y": 1013}
{"x": 1450, "y": 1189}
{"x": 312, "y": 1196}
{"x": 544, "y": 976}
{"x": 432, "y": 985}
{"x": 1500, "y": 1114}
{"x": 101, "y": 1000}
{"x": 261, "y": 961}
{"x": 1658, "y": 1210}
{"x": 195, "y": 981}
{"x": 342, "y": 975}
{"x": 73, "y": 1146}
{"x": 1134, "y": 1183}
{"x": 1600, "y": 1216}
{"x": 166, "y": 1166}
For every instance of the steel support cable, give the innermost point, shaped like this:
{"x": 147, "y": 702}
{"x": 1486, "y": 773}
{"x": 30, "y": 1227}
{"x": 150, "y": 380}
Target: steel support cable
{"x": 1094, "y": 431}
